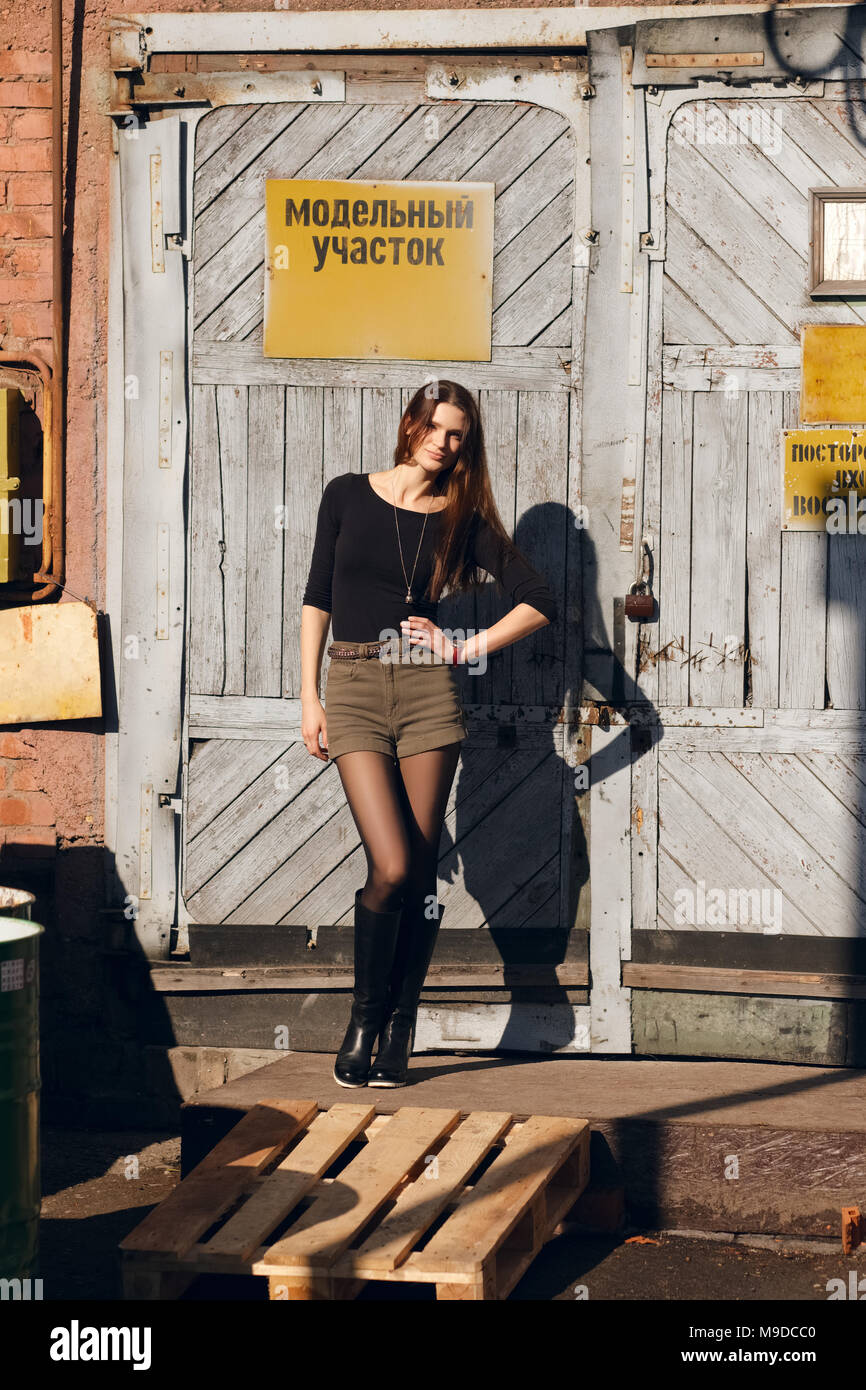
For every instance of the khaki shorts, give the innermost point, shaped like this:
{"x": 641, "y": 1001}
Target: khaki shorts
{"x": 393, "y": 707}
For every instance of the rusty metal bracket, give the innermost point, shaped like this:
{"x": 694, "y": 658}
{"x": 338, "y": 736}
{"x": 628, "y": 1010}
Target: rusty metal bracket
{"x": 51, "y": 572}
{"x": 128, "y": 58}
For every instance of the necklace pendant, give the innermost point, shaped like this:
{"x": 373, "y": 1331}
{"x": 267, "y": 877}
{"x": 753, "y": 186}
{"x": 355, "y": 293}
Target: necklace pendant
{"x": 409, "y": 596}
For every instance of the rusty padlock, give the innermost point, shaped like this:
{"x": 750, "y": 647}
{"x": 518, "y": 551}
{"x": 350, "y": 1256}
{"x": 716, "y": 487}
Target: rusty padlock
{"x": 639, "y": 602}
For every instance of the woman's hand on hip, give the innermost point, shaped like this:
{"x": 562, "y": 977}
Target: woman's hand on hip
{"x": 423, "y": 633}
{"x": 314, "y": 722}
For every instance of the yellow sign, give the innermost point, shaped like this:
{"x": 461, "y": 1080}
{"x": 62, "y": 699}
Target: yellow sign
{"x": 355, "y": 268}
{"x": 834, "y": 374}
{"x": 824, "y": 481}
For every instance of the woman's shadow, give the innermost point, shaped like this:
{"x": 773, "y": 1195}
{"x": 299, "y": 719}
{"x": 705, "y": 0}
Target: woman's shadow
{"x": 518, "y": 807}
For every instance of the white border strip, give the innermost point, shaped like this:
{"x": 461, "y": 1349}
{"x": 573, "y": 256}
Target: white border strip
{"x": 332, "y": 31}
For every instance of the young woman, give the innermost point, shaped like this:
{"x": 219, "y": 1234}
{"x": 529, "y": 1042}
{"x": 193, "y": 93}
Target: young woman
{"x": 387, "y": 545}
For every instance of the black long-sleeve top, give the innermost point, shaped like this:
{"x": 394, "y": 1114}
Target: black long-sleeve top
{"x": 355, "y": 572}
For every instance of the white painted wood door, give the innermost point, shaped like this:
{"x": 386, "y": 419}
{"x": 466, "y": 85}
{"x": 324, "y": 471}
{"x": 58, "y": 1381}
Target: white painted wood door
{"x": 761, "y": 644}
{"x": 268, "y": 838}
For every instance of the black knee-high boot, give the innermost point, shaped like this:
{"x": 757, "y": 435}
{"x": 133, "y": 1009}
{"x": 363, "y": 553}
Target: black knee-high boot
{"x": 412, "y": 961}
{"x": 375, "y": 941}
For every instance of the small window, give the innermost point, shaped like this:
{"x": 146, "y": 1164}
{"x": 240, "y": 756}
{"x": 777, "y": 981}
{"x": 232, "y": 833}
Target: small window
{"x": 838, "y": 264}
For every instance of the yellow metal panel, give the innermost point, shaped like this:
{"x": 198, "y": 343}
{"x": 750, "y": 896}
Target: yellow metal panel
{"x": 10, "y": 482}
{"x": 49, "y": 663}
{"x": 824, "y": 481}
{"x": 355, "y": 269}
{"x": 834, "y": 374}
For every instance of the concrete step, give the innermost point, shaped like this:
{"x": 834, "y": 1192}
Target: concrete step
{"x": 746, "y": 1147}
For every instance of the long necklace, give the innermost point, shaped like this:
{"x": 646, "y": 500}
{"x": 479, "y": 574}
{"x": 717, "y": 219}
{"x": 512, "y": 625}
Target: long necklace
{"x": 418, "y": 551}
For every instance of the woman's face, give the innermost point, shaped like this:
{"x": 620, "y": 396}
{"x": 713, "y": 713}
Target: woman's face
{"x": 440, "y": 444}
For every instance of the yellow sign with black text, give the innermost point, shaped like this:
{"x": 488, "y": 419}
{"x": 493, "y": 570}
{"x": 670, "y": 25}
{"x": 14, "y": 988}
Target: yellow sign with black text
{"x": 362, "y": 269}
{"x": 824, "y": 481}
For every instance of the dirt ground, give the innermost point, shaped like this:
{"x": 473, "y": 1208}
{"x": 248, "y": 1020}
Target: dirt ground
{"x": 98, "y": 1186}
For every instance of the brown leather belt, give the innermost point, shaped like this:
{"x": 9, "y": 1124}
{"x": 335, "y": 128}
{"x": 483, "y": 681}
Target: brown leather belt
{"x": 354, "y": 651}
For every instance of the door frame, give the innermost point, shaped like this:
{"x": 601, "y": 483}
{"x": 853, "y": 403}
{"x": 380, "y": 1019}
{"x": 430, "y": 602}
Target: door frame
{"x": 144, "y": 755}
{"x": 146, "y": 752}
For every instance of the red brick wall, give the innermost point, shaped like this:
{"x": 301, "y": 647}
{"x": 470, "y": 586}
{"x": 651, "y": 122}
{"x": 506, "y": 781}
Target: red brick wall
{"x": 25, "y": 199}
{"x": 51, "y": 775}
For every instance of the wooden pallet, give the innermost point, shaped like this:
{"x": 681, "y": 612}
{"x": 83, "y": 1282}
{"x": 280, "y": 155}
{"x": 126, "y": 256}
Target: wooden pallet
{"x": 319, "y": 1203}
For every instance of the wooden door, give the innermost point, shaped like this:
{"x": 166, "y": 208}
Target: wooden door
{"x": 757, "y": 662}
{"x": 268, "y": 837}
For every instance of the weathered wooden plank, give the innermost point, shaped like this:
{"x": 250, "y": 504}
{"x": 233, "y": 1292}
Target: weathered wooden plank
{"x": 267, "y": 831}
{"x": 228, "y": 1171}
{"x": 802, "y": 641}
{"x": 238, "y": 317}
{"x": 610, "y": 930}
{"x": 696, "y": 846}
{"x": 729, "y": 303}
{"x": 397, "y": 156}
{"x": 721, "y": 981}
{"x": 845, "y": 740}
{"x": 544, "y": 295}
{"x": 746, "y": 165}
{"x": 229, "y": 568}
{"x": 717, "y": 627}
{"x": 542, "y": 443}
{"x": 791, "y": 859}
{"x": 229, "y": 238}
{"x": 780, "y": 355}
{"x": 235, "y": 133}
{"x": 828, "y": 720}
{"x": 743, "y": 239}
{"x": 511, "y": 368}
{"x": 461, "y": 148}
{"x": 485, "y": 1216}
{"x": 647, "y": 679}
{"x": 265, "y": 472}
{"x": 685, "y": 321}
{"x": 326, "y": 1138}
{"x": 499, "y": 415}
{"x": 256, "y": 801}
{"x": 844, "y": 776}
{"x": 304, "y": 463}
{"x": 556, "y": 334}
{"x": 207, "y": 631}
{"x": 422, "y": 1201}
{"x": 286, "y": 947}
{"x": 644, "y": 831}
{"x": 549, "y": 229}
{"x": 697, "y": 716}
{"x": 812, "y": 810}
{"x": 214, "y": 769}
{"x": 439, "y": 980}
{"x": 730, "y": 379}
{"x": 764, "y": 547}
{"x": 238, "y": 716}
{"x": 750, "y": 950}
{"x": 494, "y": 886}
{"x": 215, "y": 130}
{"x": 328, "y": 1226}
{"x": 673, "y": 630}
{"x": 523, "y": 190}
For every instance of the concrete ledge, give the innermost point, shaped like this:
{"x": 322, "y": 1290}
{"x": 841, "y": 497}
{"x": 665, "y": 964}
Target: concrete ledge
{"x": 704, "y": 1145}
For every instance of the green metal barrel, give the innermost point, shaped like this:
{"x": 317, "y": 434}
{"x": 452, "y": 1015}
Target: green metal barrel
{"x": 15, "y": 902}
{"x": 19, "y": 1096}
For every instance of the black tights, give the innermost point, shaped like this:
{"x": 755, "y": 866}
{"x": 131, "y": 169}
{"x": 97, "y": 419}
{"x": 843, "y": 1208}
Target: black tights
{"x": 399, "y": 810}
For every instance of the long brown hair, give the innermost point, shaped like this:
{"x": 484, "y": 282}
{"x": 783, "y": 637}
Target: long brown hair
{"x": 465, "y": 484}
